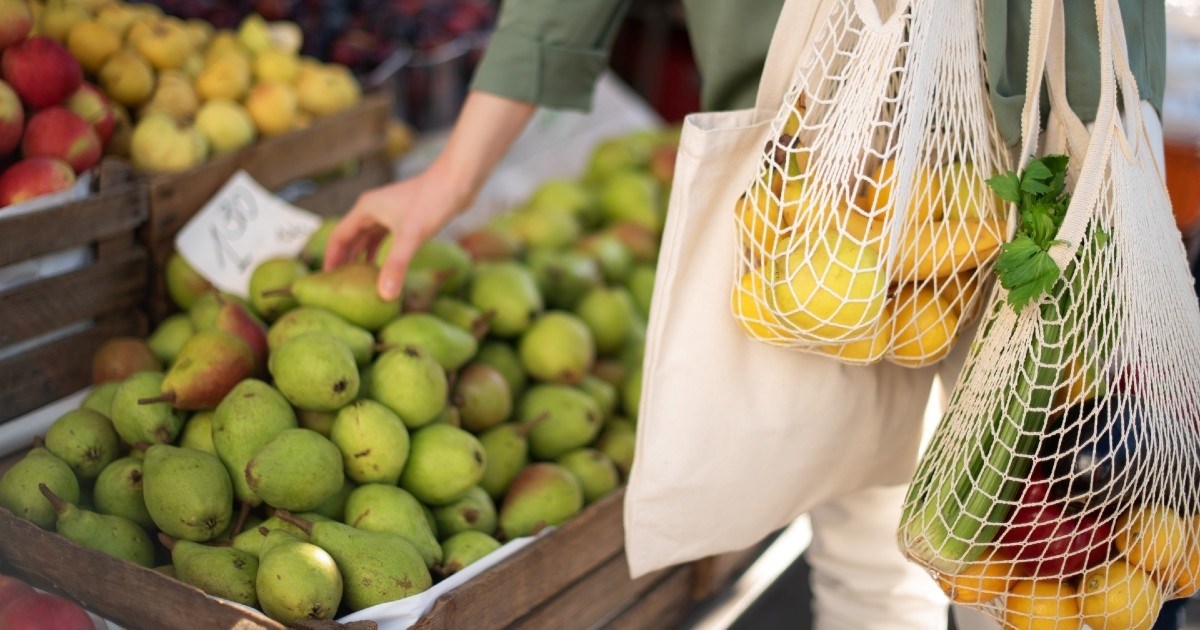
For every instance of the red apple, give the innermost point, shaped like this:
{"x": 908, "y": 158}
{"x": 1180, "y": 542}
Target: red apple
{"x": 43, "y": 610}
{"x": 41, "y": 71}
{"x": 12, "y": 589}
{"x": 58, "y": 132}
{"x": 12, "y": 119}
{"x": 15, "y": 21}
{"x": 34, "y": 177}
{"x": 91, "y": 105}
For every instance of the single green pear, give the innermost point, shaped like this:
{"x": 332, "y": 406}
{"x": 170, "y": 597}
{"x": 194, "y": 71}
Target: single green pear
{"x": 252, "y": 414}
{"x": 631, "y": 393}
{"x": 474, "y": 511}
{"x": 563, "y": 277}
{"x": 410, "y": 382}
{"x": 482, "y": 397}
{"x": 615, "y": 260}
{"x": 157, "y": 423}
{"x": 541, "y": 496}
{"x": 641, "y": 286}
{"x": 604, "y": 393}
{"x": 506, "y": 449}
{"x": 462, "y": 314}
{"x": 334, "y": 508}
{"x": 297, "y": 581}
{"x": 507, "y": 361}
{"x": 568, "y": 196}
{"x": 208, "y": 366}
{"x": 168, "y": 338}
{"x": 204, "y": 313}
{"x": 113, "y": 535}
{"x": 609, "y": 313}
{"x": 119, "y": 492}
{"x": 315, "y": 371}
{"x": 222, "y": 572}
{"x": 377, "y": 567}
{"x": 558, "y": 348}
{"x": 421, "y": 289}
{"x": 572, "y": 419}
{"x": 491, "y": 243}
{"x": 618, "y": 442}
{"x": 313, "y": 252}
{"x": 465, "y": 548}
{"x": 198, "y": 433}
{"x": 509, "y": 290}
{"x": 440, "y": 255}
{"x": 19, "y": 492}
{"x": 272, "y": 274}
{"x": 85, "y": 440}
{"x": 373, "y": 442}
{"x": 443, "y": 464}
{"x": 597, "y": 474}
{"x": 632, "y": 196}
{"x": 319, "y": 421}
{"x": 184, "y": 284}
{"x": 546, "y": 227}
{"x": 451, "y": 346}
{"x": 100, "y": 398}
{"x": 307, "y": 319}
{"x": 297, "y": 469}
{"x": 348, "y": 291}
{"x": 376, "y": 507}
{"x": 251, "y": 538}
{"x": 187, "y": 492}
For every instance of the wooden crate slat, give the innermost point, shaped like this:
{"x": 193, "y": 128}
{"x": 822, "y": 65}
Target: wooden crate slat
{"x": 133, "y": 596}
{"x": 501, "y": 595}
{"x": 665, "y": 606}
{"x": 592, "y": 599}
{"x": 88, "y": 220}
{"x": 47, "y": 373}
{"x": 93, "y": 291}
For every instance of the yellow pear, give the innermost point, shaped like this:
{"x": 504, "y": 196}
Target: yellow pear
{"x": 226, "y": 125}
{"x": 758, "y": 219}
{"x": 748, "y": 302}
{"x": 287, "y": 37}
{"x": 159, "y": 145}
{"x": 194, "y": 65}
{"x": 959, "y": 290}
{"x": 254, "y": 33}
{"x": 399, "y": 138}
{"x": 328, "y": 91}
{"x": 146, "y": 10}
{"x": 201, "y": 148}
{"x": 828, "y": 286}
{"x": 945, "y": 248}
{"x": 273, "y": 107}
{"x": 91, "y": 6}
{"x": 167, "y": 46}
{"x": 308, "y": 66}
{"x": 200, "y": 32}
{"x": 118, "y": 16}
{"x": 924, "y": 327}
{"x": 127, "y": 78}
{"x": 966, "y": 195}
{"x": 225, "y": 42}
{"x": 139, "y": 29}
{"x": 58, "y": 19}
{"x": 92, "y": 42}
{"x": 869, "y": 350}
{"x": 225, "y": 76}
{"x": 173, "y": 96}
{"x": 922, "y": 201}
{"x": 276, "y": 66}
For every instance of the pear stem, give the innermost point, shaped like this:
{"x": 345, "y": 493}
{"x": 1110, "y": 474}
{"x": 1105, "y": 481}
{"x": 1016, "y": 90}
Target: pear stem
{"x": 167, "y": 397}
{"x": 526, "y": 427}
{"x": 384, "y": 347}
{"x": 39, "y": 441}
{"x": 288, "y": 517}
{"x": 483, "y": 324}
{"x": 241, "y": 521}
{"x": 282, "y": 292}
{"x": 58, "y": 504}
{"x": 141, "y": 446}
{"x": 470, "y": 515}
{"x": 167, "y": 541}
{"x": 264, "y": 531}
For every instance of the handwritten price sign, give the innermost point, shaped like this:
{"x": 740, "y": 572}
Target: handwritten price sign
{"x": 240, "y": 227}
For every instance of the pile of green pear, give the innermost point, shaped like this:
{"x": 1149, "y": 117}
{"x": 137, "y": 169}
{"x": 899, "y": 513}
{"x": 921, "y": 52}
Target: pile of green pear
{"x": 315, "y": 450}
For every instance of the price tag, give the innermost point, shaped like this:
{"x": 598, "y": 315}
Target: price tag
{"x": 240, "y": 227}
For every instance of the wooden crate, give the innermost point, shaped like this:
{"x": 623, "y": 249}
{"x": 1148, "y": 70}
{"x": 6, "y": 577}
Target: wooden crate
{"x": 355, "y": 136}
{"x": 102, "y": 299}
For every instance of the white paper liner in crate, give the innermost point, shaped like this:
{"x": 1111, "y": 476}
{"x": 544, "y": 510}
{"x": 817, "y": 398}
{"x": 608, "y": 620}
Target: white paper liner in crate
{"x": 55, "y": 263}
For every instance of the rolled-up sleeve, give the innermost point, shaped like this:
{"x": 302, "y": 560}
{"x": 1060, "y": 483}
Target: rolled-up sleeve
{"x": 550, "y": 52}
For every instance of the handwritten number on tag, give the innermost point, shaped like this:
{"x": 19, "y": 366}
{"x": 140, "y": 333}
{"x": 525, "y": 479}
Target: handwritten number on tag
{"x": 235, "y": 214}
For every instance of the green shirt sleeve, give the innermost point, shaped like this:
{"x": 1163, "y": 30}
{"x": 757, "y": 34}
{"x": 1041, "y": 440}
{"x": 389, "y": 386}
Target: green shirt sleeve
{"x": 550, "y": 52}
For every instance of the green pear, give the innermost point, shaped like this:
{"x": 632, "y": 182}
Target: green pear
{"x": 297, "y": 470}
{"x": 541, "y": 496}
{"x": 198, "y": 433}
{"x": 436, "y": 255}
{"x": 184, "y": 284}
{"x": 207, "y": 308}
{"x": 631, "y": 393}
{"x": 572, "y": 419}
{"x": 482, "y": 397}
{"x": 313, "y": 252}
{"x": 410, "y": 382}
{"x": 475, "y": 511}
{"x": 156, "y": 423}
{"x": 119, "y": 492}
{"x": 597, "y": 474}
{"x": 373, "y": 442}
{"x": 251, "y": 539}
{"x": 546, "y": 227}
{"x": 271, "y": 274}
{"x": 604, "y": 393}
{"x": 319, "y": 421}
{"x": 113, "y": 535}
{"x": 558, "y": 348}
{"x": 451, "y": 346}
{"x": 223, "y": 572}
{"x": 187, "y": 492}
{"x": 613, "y": 257}
{"x": 376, "y": 507}
{"x": 168, "y": 338}
{"x": 100, "y": 398}
{"x": 506, "y": 449}
{"x": 465, "y": 548}
{"x": 507, "y": 362}
{"x": 618, "y": 442}
{"x": 641, "y": 286}
{"x": 443, "y": 464}
{"x": 85, "y": 440}
{"x": 563, "y": 277}
{"x": 609, "y": 315}
{"x": 306, "y": 319}
{"x": 297, "y": 581}
{"x": 491, "y": 244}
{"x": 377, "y": 567}
{"x": 509, "y": 290}
{"x": 209, "y": 364}
{"x": 462, "y": 314}
{"x": 19, "y": 492}
{"x": 614, "y": 156}
{"x": 252, "y": 414}
{"x": 632, "y": 196}
{"x": 315, "y": 371}
{"x": 348, "y": 291}
{"x": 334, "y": 508}
{"x": 568, "y": 196}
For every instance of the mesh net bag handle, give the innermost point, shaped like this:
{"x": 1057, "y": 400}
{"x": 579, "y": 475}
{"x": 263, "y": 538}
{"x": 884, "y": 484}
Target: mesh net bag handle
{"x": 868, "y": 229}
{"x": 1061, "y": 487}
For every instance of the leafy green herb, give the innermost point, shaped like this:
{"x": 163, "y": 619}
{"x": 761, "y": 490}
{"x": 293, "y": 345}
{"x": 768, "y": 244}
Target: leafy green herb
{"x": 1024, "y": 266}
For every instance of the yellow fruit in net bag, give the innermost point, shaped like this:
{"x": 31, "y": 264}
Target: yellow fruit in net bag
{"x": 966, "y": 195}
{"x": 1185, "y": 580}
{"x": 1152, "y": 537}
{"x": 981, "y": 581}
{"x": 747, "y": 300}
{"x": 924, "y": 327}
{"x": 944, "y": 248}
{"x": 759, "y": 221}
{"x": 828, "y": 286}
{"x": 1042, "y": 605}
{"x": 922, "y": 201}
{"x": 959, "y": 290}
{"x": 869, "y": 350}
{"x": 1119, "y": 596}
{"x": 1081, "y": 381}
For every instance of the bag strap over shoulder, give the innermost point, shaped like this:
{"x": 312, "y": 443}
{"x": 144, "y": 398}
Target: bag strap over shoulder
{"x": 798, "y": 20}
